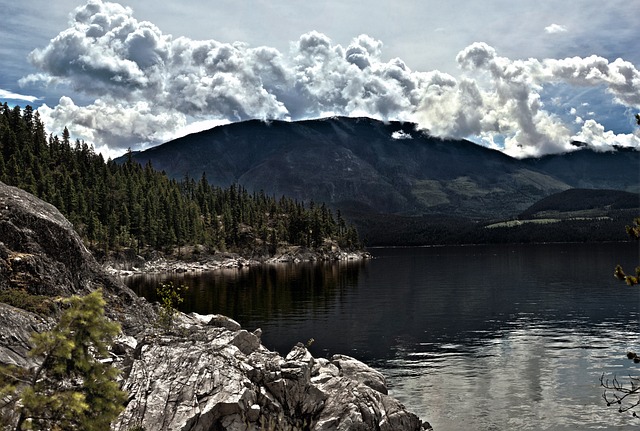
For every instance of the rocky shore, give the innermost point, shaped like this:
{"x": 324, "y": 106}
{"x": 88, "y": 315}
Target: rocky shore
{"x": 131, "y": 264}
{"x": 210, "y": 374}
{"x": 203, "y": 373}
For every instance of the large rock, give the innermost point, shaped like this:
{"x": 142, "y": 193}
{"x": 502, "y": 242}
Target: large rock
{"x": 17, "y": 326}
{"x": 203, "y": 373}
{"x": 41, "y": 253}
{"x": 211, "y": 377}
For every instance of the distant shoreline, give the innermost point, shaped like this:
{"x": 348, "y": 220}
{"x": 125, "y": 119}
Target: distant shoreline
{"x": 483, "y": 244}
{"x": 218, "y": 261}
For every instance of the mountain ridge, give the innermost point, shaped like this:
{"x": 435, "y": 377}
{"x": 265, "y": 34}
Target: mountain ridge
{"x": 582, "y": 202}
{"x": 384, "y": 167}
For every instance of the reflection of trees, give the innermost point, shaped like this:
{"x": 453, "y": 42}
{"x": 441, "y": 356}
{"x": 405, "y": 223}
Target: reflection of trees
{"x": 261, "y": 292}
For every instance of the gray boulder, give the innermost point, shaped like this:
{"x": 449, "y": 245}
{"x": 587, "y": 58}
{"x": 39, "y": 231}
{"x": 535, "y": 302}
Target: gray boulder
{"x": 42, "y": 254}
{"x": 209, "y": 377}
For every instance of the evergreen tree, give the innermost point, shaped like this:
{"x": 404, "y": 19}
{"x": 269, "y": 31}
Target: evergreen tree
{"x": 71, "y": 388}
{"x": 121, "y": 205}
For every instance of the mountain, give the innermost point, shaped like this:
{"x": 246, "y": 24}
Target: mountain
{"x": 587, "y": 169}
{"x": 363, "y": 165}
{"x": 582, "y": 203}
{"x": 396, "y": 183}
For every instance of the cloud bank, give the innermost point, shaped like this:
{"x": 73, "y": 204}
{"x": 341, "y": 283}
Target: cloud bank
{"x": 148, "y": 86}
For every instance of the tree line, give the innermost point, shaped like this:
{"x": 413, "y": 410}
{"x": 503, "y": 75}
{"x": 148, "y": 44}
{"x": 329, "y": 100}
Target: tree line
{"x": 127, "y": 205}
{"x": 394, "y": 230}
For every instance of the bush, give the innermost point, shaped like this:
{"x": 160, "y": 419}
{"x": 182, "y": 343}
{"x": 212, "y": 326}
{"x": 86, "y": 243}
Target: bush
{"x": 170, "y": 298}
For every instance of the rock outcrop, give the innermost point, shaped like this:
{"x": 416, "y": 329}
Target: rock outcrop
{"x": 41, "y": 254}
{"x": 204, "y": 372}
{"x": 210, "y": 374}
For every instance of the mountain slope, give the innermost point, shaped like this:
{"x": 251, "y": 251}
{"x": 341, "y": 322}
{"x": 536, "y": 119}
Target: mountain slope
{"x": 582, "y": 203}
{"x": 363, "y": 165}
{"x": 619, "y": 170}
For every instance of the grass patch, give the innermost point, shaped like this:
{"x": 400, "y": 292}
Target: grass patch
{"x": 429, "y": 193}
{"x": 514, "y": 223}
{"x": 24, "y": 300}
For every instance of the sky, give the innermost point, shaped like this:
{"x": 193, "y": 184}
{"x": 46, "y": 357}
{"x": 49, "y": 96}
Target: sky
{"x": 524, "y": 77}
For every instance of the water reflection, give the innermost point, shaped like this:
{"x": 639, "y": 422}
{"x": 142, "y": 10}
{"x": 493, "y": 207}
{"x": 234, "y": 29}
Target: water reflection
{"x": 483, "y": 338}
{"x": 254, "y": 294}
{"x": 535, "y": 375}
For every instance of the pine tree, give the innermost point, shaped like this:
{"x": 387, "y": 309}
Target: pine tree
{"x": 71, "y": 388}
{"x": 114, "y": 205}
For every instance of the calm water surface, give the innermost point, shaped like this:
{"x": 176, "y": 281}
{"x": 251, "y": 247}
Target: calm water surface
{"x": 479, "y": 337}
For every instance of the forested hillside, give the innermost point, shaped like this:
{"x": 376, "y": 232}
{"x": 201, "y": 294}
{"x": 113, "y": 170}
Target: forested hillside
{"x": 584, "y": 200}
{"x": 386, "y": 168}
{"x": 116, "y": 205}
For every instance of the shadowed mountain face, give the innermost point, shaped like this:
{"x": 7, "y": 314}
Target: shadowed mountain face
{"x": 619, "y": 170}
{"x": 582, "y": 203}
{"x": 364, "y": 165}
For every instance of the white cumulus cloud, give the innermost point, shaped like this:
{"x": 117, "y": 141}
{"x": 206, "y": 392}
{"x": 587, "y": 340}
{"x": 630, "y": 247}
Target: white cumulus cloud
{"x": 150, "y": 86}
{"x": 555, "y": 28}
{"x": 101, "y": 123}
{"x": 513, "y": 105}
{"x": 602, "y": 140}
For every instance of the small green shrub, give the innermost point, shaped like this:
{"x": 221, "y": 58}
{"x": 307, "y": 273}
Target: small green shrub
{"x": 72, "y": 388}
{"x": 170, "y": 298}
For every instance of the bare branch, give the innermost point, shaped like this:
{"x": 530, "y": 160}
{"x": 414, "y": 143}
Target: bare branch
{"x": 617, "y": 393}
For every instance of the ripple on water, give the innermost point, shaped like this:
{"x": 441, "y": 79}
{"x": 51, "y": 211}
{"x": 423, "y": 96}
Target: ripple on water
{"x": 484, "y": 338}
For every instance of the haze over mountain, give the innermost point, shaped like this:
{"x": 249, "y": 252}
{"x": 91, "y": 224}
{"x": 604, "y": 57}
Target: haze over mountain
{"x": 363, "y": 165}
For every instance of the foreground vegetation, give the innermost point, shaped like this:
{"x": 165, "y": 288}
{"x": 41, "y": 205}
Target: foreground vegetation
{"x": 72, "y": 387}
{"x": 115, "y": 206}
{"x": 626, "y": 397}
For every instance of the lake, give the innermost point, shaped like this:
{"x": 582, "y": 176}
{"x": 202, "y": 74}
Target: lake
{"x": 477, "y": 337}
